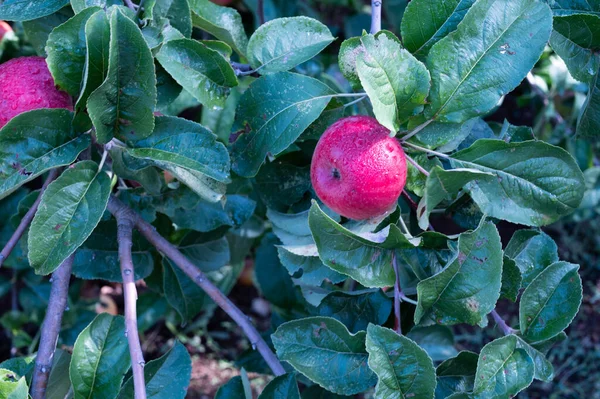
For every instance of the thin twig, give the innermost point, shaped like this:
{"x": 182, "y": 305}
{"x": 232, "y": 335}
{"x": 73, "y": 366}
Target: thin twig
{"x": 131, "y": 5}
{"x": 14, "y": 239}
{"x": 124, "y": 237}
{"x": 51, "y": 327}
{"x": 260, "y": 10}
{"x": 427, "y": 150}
{"x": 375, "y": 16}
{"x": 351, "y": 103}
{"x": 397, "y": 295}
{"x": 506, "y": 329}
{"x": 407, "y": 299}
{"x": 416, "y": 130}
{"x": 169, "y": 250}
{"x": 138, "y": 14}
{"x": 416, "y": 165}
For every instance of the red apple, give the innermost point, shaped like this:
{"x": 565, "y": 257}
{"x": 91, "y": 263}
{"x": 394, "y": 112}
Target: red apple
{"x": 357, "y": 169}
{"x": 26, "y": 84}
{"x": 4, "y": 28}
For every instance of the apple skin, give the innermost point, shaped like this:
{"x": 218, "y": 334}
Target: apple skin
{"x": 357, "y": 169}
{"x": 4, "y": 28}
{"x": 26, "y": 84}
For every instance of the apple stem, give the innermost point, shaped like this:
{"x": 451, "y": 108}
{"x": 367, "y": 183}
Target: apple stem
{"x": 416, "y": 165}
{"x": 375, "y": 16}
{"x": 416, "y": 130}
{"x": 427, "y": 150}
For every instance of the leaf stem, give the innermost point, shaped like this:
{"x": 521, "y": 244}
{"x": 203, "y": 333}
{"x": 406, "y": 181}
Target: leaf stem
{"x": 397, "y": 295}
{"x": 51, "y": 327}
{"x": 416, "y": 147}
{"x": 124, "y": 238}
{"x": 404, "y": 227}
{"x": 351, "y": 103}
{"x": 375, "y": 16}
{"x": 26, "y": 221}
{"x": 130, "y": 4}
{"x": 506, "y": 329}
{"x": 139, "y": 10}
{"x": 407, "y": 299}
{"x": 416, "y": 165}
{"x": 103, "y": 160}
{"x": 415, "y": 130}
{"x": 200, "y": 279}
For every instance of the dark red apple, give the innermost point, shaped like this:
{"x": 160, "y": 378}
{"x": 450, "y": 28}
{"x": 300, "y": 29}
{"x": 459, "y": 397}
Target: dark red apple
{"x": 26, "y": 84}
{"x": 357, "y": 169}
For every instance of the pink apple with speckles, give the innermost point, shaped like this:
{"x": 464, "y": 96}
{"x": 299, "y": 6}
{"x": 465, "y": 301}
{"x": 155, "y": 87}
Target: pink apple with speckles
{"x": 26, "y": 84}
{"x": 357, "y": 169}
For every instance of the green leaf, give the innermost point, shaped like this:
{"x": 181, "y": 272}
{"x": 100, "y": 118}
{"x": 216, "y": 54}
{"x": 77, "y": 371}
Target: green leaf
{"x": 222, "y": 22}
{"x": 456, "y": 375}
{"x": 468, "y": 83}
{"x": 127, "y": 167}
{"x": 123, "y": 105}
{"x": 404, "y": 369}
{"x": 447, "y": 137}
{"x": 283, "y": 43}
{"x": 38, "y": 30}
{"x": 58, "y": 381}
{"x": 186, "y": 148}
{"x": 544, "y": 371}
{"x": 532, "y": 251}
{"x": 281, "y": 185}
{"x": 281, "y": 387}
{"x": 203, "y": 72}
{"x": 396, "y": 82}
{"x": 575, "y": 39}
{"x": 167, "y": 377}
{"x": 550, "y": 302}
{"x": 306, "y": 266}
{"x": 97, "y": 48}
{"x": 443, "y": 185}
{"x": 349, "y": 51}
{"x": 511, "y": 279}
{"x": 536, "y": 183}
{"x": 66, "y": 48}
{"x": 588, "y": 123}
{"x": 11, "y": 388}
{"x": 98, "y": 256}
{"x": 81, "y": 5}
{"x": 356, "y": 309}
{"x": 272, "y": 114}
{"x": 437, "y": 341}
{"x": 234, "y": 388}
{"x": 425, "y": 22}
{"x": 177, "y": 12}
{"x": 503, "y": 369}
{"x": 478, "y": 266}
{"x": 26, "y": 10}
{"x": 324, "y": 351}
{"x": 568, "y": 7}
{"x": 71, "y": 208}
{"x": 100, "y": 358}
{"x": 36, "y": 141}
{"x": 365, "y": 260}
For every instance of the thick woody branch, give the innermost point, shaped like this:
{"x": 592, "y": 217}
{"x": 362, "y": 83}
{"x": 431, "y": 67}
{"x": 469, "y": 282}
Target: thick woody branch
{"x": 124, "y": 236}
{"x": 26, "y": 221}
{"x": 50, "y": 328}
{"x": 149, "y": 232}
{"x": 375, "y": 16}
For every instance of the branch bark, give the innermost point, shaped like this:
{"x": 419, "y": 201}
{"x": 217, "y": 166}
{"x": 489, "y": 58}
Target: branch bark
{"x": 26, "y": 221}
{"x": 50, "y": 328}
{"x": 506, "y": 329}
{"x": 169, "y": 250}
{"x": 124, "y": 236}
{"x": 375, "y": 16}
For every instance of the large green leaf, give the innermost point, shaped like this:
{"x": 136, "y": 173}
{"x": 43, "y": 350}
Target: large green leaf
{"x": 323, "y": 350}
{"x": 130, "y": 168}
{"x": 425, "y": 22}
{"x": 184, "y": 147}
{"x": 11, "y": 386}
{"x": 26, "y": 10}
{"x": 34, "y": 142}
{"x": 38, "y": 30}
{"x": 396, "y": 82}
{"x": 356, "y": 309}
{"x": 466, "y": 80}
{"x": 100, "y": 358}
{"x": 588, "y": 124}
{"x": 503, "y": 369}
{"x": 535, "y": 183}
{"x": 167, "y": 377}
{"x": 81, "y": 5}
{"x": 234, "y": 388}
{"x": 71, "y": 208}
{"x": 202, "y": 71}
{"x": 177, "y": 12}
{"x": 123, "y": 105}
{"x": 404, "y": 369}
{"x": 456, "y": 374}
{"x": 66, "y": 48}
{"x": 511, "y": 279}
{"x": 283, "y": 43}
{"x": 367, "y": 260}
{"x": 303, "y": 263}
{"x": 569, "y": 7}
{"x": 281, "y": 387}
{"x": 222, "y": 22}
{"x": 272, "y": 114}
{"x": 532, "y": 251}
{"x": 544, "y": 370}
{"x": 97, "y": 49}
{"x": 550, "y": 302}
{"x": 436, "y": 340}
{"x": 468, "y": 288}
{"x": 281, "y": 185}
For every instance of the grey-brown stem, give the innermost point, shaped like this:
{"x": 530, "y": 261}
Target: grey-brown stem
{"x": 506, "y": 329}
{"x": 26, "y": 221}
{"x": 50, "y": 328}
{"x": 124, "y": 237}
{"x": 376, "y": 16}
{"x": 170, "y": 251}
